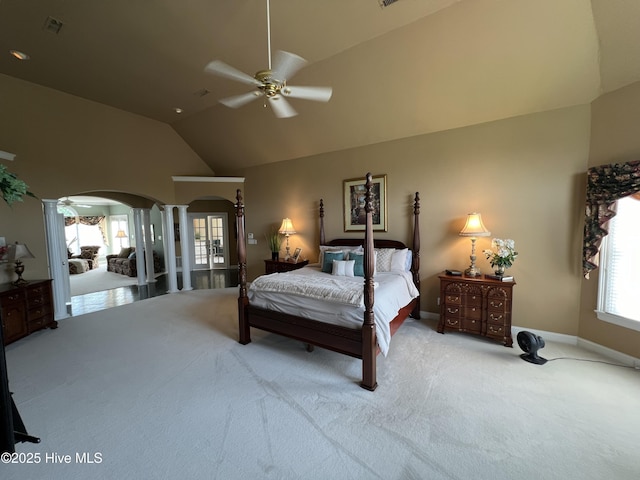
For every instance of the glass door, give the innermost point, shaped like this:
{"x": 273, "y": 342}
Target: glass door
{"x": 209, "y": 240}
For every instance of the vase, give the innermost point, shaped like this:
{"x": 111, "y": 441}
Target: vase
{"x": 500, "y": 270}
{"x": 274, "y": 255}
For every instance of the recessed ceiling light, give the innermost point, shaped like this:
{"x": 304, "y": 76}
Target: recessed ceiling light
{"x": 19, "y": 55}
{"x": 177, "y": 110}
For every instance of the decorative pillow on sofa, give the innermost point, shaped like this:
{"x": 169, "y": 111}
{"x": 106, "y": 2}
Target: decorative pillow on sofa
{"x": 124, "y": 252}
{"x": 132, "y": 256}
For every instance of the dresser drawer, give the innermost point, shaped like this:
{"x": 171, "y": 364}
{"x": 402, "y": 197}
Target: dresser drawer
{"x": 36, "y": 313}
{"x": 453, "y": 299}
{"x": 453, "y": 322}
{"x": 495, "y": 330}
{"x": 496, "y": 318}
{"x": 474, "y": 326}
{"x": 11, "y": 299}
{"x": 473, "y": 312}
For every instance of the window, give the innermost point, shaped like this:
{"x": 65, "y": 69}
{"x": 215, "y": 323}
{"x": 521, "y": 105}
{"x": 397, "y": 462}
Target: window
{"x": 119, "y": 232}
{"x": 619, "y": 267}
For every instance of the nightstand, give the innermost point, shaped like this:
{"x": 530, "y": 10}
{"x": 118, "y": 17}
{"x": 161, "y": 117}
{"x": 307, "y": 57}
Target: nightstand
{"x": 280, "y": 265}
{"x": 477, "y": 305}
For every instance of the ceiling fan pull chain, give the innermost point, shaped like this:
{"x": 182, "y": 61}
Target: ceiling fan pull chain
{"x": 269, "y": 34}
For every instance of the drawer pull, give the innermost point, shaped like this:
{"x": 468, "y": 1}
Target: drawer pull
{"x": 493, "y": 329}
{"x": 452, "y": 322}
{"x": 495, "y": 317}
{"x": 496, "y": 304}
{"x": 453, "y": 310}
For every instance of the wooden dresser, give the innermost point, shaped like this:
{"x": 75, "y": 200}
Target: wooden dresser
{"x": 478, "y": 305}
{"x": 279, "y": 266}
{"x": 25, "y": 309}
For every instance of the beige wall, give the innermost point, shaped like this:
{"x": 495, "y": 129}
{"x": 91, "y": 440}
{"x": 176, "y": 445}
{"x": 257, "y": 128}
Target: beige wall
{"x": 523, "y": 174}
{"x": 614, "y": 138}
{"x": 66, "y": 145}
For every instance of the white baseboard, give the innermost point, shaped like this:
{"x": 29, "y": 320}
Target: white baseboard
{"x": 563, "y": 338}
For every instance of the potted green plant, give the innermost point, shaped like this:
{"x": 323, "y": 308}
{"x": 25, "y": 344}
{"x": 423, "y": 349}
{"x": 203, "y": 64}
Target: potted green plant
{"x": 274, "y": 241}
{"x": 12, "y": 188}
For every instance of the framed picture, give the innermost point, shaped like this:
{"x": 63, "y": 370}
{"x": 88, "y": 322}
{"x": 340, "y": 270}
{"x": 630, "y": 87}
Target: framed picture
{"x": 296, "y": 255}
{"x": 354, "y": 214}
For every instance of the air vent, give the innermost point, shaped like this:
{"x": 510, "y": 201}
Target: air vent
{"x": 52, "y": 25}
{"x": 386, "y": 3}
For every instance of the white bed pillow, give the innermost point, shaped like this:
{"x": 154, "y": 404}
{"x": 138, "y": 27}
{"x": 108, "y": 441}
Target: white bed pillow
{"x": 343, "y": 268}
{"x": 383, "y": 259}
{"x": 399, "y": 260}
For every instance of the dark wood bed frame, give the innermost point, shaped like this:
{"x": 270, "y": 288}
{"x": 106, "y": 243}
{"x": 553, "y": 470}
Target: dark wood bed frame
{"x": 356, "y": 342}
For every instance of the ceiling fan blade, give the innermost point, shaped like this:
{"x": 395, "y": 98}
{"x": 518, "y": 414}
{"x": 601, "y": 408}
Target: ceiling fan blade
{"x": 221, "y": 69}
{"x": 281, "y": 108}
{"x": 318, "y": 94}
{"x": 239, "y": 100}
{"x": 286, "y": 65}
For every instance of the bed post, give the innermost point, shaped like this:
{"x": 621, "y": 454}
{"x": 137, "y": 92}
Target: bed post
{"x": 369, "y": 346}
{"x": 243, "y": 301}
{"x": 322, "y": 239}
{"x": 415, "y": 263}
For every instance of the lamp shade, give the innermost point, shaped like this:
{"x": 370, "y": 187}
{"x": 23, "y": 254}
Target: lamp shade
{"x": 474, "y": 227}
{"x": 121, "y": 234}
{"x": 287, "y": 227}
{"x": 18, "y": 251}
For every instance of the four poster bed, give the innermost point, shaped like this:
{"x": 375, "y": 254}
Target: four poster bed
{"x": 333, "y": 310}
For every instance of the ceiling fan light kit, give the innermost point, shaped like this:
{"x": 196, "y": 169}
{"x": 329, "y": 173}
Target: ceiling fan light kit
{"x": 271, "y": 83}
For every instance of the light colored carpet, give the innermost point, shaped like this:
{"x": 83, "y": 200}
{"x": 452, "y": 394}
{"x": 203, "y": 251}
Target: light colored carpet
{"x": 98, "y": 280}
{"x": 162, "y": 390}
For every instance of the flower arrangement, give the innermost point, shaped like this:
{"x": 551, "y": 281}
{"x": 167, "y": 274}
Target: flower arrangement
{"x": 12, "y": 188}
{"x": 503, "y": 253}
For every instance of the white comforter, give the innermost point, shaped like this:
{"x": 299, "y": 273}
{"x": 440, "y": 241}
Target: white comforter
{"x": 310, "y": 293}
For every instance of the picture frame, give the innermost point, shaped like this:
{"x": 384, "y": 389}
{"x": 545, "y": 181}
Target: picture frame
{"x": 296, "y": 255}
{"x": 353, "y": 200}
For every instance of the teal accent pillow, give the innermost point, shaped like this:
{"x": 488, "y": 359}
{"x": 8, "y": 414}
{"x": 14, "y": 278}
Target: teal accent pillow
{"x": 358, "y": 267}
{"x": 328, "y": 258}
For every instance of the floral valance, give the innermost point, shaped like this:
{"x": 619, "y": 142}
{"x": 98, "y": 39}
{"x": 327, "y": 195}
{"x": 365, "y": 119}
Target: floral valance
{"x": 605, "y": 185}
{"x": 90, "y": 220}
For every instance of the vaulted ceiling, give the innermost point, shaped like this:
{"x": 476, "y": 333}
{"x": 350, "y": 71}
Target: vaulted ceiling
{"x": 414, "y": 67}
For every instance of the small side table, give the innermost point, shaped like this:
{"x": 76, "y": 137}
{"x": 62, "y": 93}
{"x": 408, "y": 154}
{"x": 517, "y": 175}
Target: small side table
{"x": 281, "y": 265}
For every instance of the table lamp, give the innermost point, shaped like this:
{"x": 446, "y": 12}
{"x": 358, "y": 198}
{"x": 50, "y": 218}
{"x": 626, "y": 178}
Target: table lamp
{"x": 474, "y": 228}
{"x": 287, "y": 229}
{"x": 17, "y": 252}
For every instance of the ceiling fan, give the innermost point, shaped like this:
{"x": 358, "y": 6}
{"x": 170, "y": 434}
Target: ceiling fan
{"x": 271, "y": 84}
{"x": 67, "y": 202}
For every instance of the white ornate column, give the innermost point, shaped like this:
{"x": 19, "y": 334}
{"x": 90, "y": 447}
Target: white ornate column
{"x": 140, "y": 250}
{"x": 58, "y": 259}
{"x": 170, "y": 249}
{"x": 148, "y": 245}
{"x": 184, "y": 247}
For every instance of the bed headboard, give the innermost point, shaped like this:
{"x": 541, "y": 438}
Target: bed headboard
{"x": 377, "y": 243}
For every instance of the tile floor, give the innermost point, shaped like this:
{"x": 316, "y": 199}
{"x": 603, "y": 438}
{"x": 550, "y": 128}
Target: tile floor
{"x": 200, "y": 280}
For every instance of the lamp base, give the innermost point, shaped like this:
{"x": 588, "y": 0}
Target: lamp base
{"x": 19, "y": 269}
{"x": 472, "y": 271}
